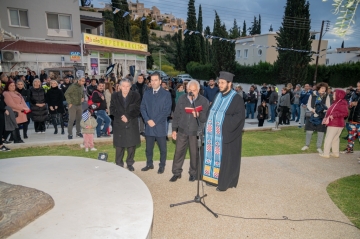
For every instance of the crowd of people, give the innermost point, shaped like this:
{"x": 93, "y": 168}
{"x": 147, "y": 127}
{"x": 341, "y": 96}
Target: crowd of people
{"x": 68, "y": 101}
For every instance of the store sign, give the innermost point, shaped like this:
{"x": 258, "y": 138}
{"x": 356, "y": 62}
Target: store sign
{"x": 115, "y": 43}
{"x": 75, "y": 56}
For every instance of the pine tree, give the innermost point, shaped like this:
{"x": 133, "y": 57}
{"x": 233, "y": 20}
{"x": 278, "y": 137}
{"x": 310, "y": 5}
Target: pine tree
{"x": 234, "y": 31}
{"x": 144, "y": 38}
{"x": 201, "y": 37}
{"x": 254, "y": 29}
{"x": 243, "y": 34}
{"x": 223, "y": 51}
{"x": 121, "y": 24}
{"x": 191, "y": 42}
{"x": 271, "y": 28}
{"x": 259, "y": 26}
{"x": 292, "y": 65}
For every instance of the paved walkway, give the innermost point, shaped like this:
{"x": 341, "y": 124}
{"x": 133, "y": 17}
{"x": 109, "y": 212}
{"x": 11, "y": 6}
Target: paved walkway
{"x": 49, "y": 138}
{"x": 269, "y": 188}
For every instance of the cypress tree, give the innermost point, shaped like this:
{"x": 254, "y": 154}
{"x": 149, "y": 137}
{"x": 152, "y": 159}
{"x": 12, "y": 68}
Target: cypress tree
{"x": 191, "y": 42}
{"x": 234, "y": 31}
{"x": 223, "y": 51}
{"x": 243, "y": 34}
{"x": 144, "y": 38}
{"x": 259, "y": 25}
{"x": 292, "y": 65}
{"x": 121, "y": 24}
{"x": 271, "y": 28}
{"x": 201, "y": 37}
{"x": 179, "y": 53}
{"x": 208, "y": 50}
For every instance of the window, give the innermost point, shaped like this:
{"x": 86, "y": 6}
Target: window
{"x": 58, "y": 21}
{"x": 246, "y": 53}
{"x": 88, "y": 30}
{"x": 238, "y": 54}
{"x": 327, "y": 61}
{"x": 18, "y": 18}
{"x": 260, "y": 52}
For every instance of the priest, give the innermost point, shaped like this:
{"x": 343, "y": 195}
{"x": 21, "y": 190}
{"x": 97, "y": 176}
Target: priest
{"x": 223, "y": 136}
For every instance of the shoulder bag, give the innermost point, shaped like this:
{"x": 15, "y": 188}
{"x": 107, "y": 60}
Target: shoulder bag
{"x": 326, "y": 119}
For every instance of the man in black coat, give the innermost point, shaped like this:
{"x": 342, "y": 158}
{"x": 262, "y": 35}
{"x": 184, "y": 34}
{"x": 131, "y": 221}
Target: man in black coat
{"x": 140, "y": 87}
{"x": 185, "y": 129}
{"x": 43, "y": 76}
{"x": 125, "y": 107}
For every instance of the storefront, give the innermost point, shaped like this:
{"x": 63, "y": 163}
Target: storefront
{"x": 101, "y": 52}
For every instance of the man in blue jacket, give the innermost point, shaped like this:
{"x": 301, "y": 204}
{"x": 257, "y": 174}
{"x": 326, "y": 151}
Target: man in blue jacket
{"x": 304, "y": 97}
{"x": 155, "y": 108}
{"x": 211, "y": 91}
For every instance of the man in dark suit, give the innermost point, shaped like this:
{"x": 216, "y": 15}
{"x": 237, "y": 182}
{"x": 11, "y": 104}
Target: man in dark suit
{"x": 125, "y": 107}
{"x": 155, "y": 108}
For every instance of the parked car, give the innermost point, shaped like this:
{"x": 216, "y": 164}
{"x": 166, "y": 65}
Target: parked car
{"x": 184, "y": 77}
{"x": 163, "y": 75}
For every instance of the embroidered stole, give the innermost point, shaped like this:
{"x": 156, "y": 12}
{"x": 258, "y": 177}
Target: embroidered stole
{"x": 213, "y": 137}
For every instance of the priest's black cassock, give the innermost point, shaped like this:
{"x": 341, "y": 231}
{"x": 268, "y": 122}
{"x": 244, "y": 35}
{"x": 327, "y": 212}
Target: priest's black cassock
{"x": 231, "y": 131}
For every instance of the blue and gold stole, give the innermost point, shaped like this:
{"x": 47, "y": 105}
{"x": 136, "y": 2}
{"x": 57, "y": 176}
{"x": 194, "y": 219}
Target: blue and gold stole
{"x": 213, "y": 137}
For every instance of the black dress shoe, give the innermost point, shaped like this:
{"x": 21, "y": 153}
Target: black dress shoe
{"x": 19, "y": 142}
{"x": 217, "y": 189}
{"x": 161, "y": 170}
{"x": 192, "y": 178}
{"x": 175, "y": 177}
{"x": 7, "y": 142}
{"x": 210, "y": 185}
{"x": 146, "y": 168}
{"x": 131, "y": 168}
{"x": 25, "y": 136}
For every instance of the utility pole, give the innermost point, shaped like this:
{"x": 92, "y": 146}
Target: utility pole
{"x": 318, "y": 50}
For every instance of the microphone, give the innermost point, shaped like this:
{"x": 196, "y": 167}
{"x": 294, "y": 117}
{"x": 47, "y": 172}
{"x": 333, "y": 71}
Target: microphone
{"x": 191, "y": 94}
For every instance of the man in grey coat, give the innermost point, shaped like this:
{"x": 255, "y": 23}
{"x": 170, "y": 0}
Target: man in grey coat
{"x": 125, "y": 107}
{"x": 185, "y": 129}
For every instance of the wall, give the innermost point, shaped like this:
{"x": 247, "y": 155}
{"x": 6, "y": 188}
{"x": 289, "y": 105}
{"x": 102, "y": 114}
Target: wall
{"x": 338, "y": 58}
{"x": 37, "y": 17}
{"x": 162, "y": 33}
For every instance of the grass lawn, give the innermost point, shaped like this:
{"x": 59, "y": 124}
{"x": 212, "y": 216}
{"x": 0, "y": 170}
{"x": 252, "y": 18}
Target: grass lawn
{"x": 289, "y": 140}
{"x": 345, "y": 193}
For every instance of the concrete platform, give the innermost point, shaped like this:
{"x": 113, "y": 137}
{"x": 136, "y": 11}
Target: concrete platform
{"x": 93, "y": 199}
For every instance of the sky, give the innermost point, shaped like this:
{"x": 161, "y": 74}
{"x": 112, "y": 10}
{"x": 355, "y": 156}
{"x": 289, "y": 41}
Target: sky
{"x": 271, "y": 12}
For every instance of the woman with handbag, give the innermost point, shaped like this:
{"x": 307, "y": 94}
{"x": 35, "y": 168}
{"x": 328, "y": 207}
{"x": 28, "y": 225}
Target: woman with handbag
{"x": 54, "y": 99}
{"x": 317, "y": 100}
{"x": 20, "y": 87}
{"x": 38, "y": 106}
{"x": 16, "y": 102}
{"x": 334, "y": 119}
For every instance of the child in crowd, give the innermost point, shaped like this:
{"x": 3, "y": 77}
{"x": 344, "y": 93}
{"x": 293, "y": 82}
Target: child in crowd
{"x": 263, "y": 112}
{"x": 88, "y": 124}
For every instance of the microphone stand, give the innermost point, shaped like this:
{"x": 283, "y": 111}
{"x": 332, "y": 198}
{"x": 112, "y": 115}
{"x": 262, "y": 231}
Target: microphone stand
{"x": 197, "y": 198}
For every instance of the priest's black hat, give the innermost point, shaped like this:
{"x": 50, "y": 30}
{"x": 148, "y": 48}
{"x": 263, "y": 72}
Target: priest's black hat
{"x": 224, "y": 75}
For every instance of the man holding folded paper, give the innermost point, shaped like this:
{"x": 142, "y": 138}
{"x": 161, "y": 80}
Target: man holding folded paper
{"x": 185, "y": 128}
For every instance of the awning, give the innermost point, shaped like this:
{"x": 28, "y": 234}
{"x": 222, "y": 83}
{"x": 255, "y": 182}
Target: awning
{"x": 39, "y": 47}
{"x": 111, "y": 49}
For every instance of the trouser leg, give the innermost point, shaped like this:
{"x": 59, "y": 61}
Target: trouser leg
{"x": 194, "y": 155}
{"x": 130, "y": 155}
{"x": 180, "y": 153}
{"x": 320, "y": 138}
{"x": 72, "y": 117}
{"x": 302, "y": 115}
{"x": 163, "y": 150}
{"x": 308, "y": 137}
{"x": 141, "y": 124}
{"x": 119, "y": 156}
{"x": 78, "y": 118}
{"x": 329, "y": 139}
{"x": 91, "y": 140}
{"x": 336, "y": 142}
{"x": 150, "y": 141}
{"x": 261, "y": 122}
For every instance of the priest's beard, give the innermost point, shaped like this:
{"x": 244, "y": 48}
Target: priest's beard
{"x": 226, "y": 89}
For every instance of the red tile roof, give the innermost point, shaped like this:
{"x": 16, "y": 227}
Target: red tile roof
{"x": 39, "y": 47}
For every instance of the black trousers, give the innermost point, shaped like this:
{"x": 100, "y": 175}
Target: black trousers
{"x": 261, "y": 122}
{"x": 150, "y": 142}
{"x": 182, "y": 143}
{"x": 39, "y": 126}
{"x": 120, "y": 156}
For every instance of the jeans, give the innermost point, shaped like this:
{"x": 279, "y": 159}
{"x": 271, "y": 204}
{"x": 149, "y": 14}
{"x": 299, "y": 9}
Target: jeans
{"x": 250, "y": 109}
{"x": 101, "y": 116}
{"x": 295, "y": 110}
{"x": 272, "y": 110}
